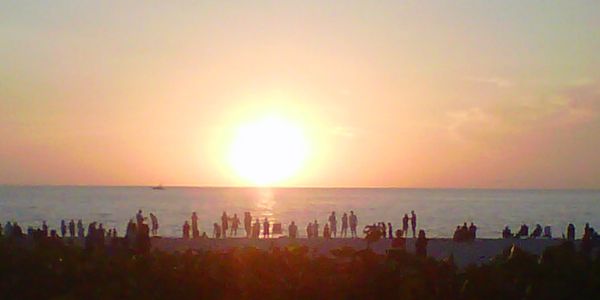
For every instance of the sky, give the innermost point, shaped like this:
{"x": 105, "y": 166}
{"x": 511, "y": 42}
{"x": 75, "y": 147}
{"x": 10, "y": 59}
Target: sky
{"x": 424, "y": 94}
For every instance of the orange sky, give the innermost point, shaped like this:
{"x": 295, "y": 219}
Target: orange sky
{"x": 497, "y": 94}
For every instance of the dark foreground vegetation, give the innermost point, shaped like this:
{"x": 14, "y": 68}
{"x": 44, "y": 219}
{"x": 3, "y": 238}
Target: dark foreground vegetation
{"x": 50, "y": 269}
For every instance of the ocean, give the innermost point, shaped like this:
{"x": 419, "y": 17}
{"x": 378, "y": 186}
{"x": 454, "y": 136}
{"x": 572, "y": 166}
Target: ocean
{"x": 438, "y": 211}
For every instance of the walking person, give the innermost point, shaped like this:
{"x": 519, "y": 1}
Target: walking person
{"x": 154, "y": 224}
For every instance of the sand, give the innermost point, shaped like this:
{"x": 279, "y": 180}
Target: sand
{"x": 477, "y": 252}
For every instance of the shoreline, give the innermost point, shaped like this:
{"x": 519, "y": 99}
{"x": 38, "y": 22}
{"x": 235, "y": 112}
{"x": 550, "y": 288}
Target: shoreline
{"x": 465, "y": 253}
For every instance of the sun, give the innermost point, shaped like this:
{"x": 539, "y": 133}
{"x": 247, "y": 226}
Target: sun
{"x": 268, "y": 151}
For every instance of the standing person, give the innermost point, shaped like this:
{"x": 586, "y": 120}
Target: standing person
{"x": 472, "y": 232}
{"x": 72, "y": 228}
{"x": 63, "y": 228}
{"x": 293, "y": 230}
{"x": 80, "y": 229}
{"x": 186, "y": 230}
{"x": 413, "y": 223}
{"x": 216, "y": 231}
{"x": 333, "y": 224}
{"x": 315, "y": 228}
{"x": 309, "y": 230}
{"x": 195, "y": 231}
{"x": 224, "y": 224}
{"x": 266, "y": 227}
{"x": 248, "y": 223}
{"x": 44, "y": 228}
{"x": 353, "y": 224}
{"x": 421, "y": 244}
{"x": 154, "y": 221}
{"x": 235, "y": 223}
{"x": 344, "y": 232}
{"x": 571, "y": 232}
{"x": 256, "y": 229}
{"x": 139, "y": 217}
{"x": 326, "y": 232}
{"x": 391, "y": 236}
{"x": 405, "y": 225}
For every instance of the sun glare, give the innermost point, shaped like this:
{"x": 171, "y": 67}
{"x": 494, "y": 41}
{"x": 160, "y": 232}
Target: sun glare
{"x": 268, "y": 151}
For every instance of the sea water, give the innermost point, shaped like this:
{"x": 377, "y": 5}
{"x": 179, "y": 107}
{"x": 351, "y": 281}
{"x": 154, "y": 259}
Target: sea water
{"x": 438, "y": 211}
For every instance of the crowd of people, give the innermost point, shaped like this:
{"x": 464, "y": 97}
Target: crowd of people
{"x": 465, "y": 233}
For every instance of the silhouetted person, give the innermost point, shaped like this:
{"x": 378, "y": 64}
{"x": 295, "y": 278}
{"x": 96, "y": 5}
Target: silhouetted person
{"x": 315, "y": 228}
{"x": 248, "y": 223}
{"x": 472, "y": 232}
{"x": 383, "y": 229}
{"x": 44, "y": 228}
{"x": 17, "y": 231}
{"x": 256, "y": 229}
{"x": 523, "y": 231}
{"x": 154, "y": 222}
{"x": 457, "y": 234}
{"x": 405, "y": 220}
{"x": 326, "y": 232}
{"x": 186, "y": 230}
{"x": 235, "y": 223}
{"x": 547, "y": 232}
{"x": 72, "y": 228}
{"x": 571, "y": 232}
{"x": 390, "y": 232}
{"x": 195, "y": 231}
{"x": 63, "y": 228}
{"x": 353, "y": 220}
{"x": 139, "y": 217}
{"x": 130, "y": 232}
{"x": 266, "y": 227}
{"x": 293, "y": 230}
{"x": 399, "y": 242}
{"x": 8, "y": 229}
{"x": 413, "y": 222}
{"x": 537, "y": 232}
{"x": 309, "y": 230}
{"x": 506, "y": 233}
{"x": 100, "y": 234}
{"x": 80, "y": 229}
{"x": 216, "y": 231}
{"x": 421, "y": 244}
{"x": 344, "y": 232}
{"x": 224, "y": 224}
{"x": 333, "y": 224}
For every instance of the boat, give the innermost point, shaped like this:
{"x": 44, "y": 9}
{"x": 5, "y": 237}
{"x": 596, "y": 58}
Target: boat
{"x": 158, "y": 187}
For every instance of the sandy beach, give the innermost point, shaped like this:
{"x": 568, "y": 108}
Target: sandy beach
{"x": 479, "y": 251}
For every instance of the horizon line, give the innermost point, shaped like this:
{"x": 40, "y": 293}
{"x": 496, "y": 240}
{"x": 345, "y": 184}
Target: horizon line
{"x": 298, "y": 187}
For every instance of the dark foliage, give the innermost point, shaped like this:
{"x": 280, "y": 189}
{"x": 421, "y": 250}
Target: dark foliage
{"x": 53, "y": 270}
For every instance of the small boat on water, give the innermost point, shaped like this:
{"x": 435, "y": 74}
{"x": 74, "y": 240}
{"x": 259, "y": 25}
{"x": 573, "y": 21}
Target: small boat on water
{"x": 158, "y": 187}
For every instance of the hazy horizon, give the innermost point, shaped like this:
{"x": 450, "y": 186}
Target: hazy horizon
{"x": 489, "y": 94}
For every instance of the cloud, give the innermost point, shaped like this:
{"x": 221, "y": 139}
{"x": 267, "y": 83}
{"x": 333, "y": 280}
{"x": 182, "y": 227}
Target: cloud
{"x": 495, "y": 81}
{"x": 567, "y": 109}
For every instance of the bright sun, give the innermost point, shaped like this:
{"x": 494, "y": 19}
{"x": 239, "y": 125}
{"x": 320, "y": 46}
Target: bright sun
{"x": 268, "y": 151}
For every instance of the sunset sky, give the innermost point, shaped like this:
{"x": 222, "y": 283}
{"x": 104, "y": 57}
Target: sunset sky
{"x": 457, "y": 94}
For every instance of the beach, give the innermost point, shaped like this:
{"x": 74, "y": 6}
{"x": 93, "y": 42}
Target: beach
{"x": 465, "y": 253}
